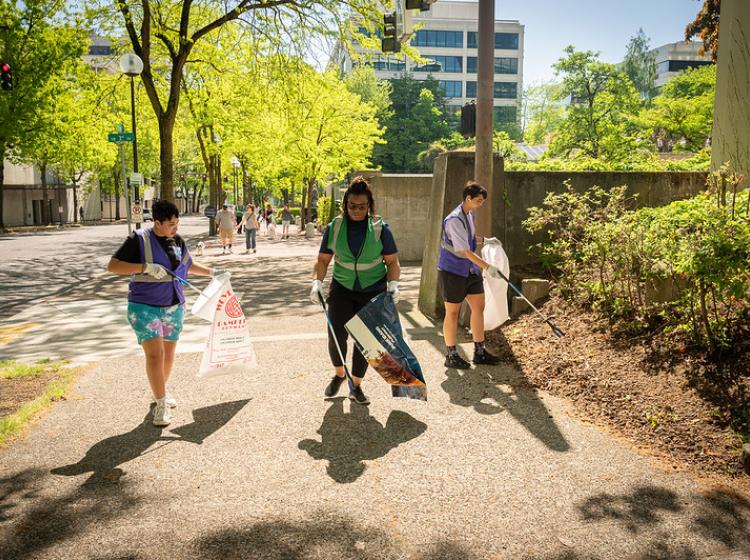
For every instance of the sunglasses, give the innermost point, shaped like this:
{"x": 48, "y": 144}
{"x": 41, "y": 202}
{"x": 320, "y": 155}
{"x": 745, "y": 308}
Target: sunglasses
{"x": 357, "y": 207}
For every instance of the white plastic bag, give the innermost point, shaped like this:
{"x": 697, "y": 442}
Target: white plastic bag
{"x": 271, "y": 230}
{"x": 228, "y": 349}
{"x": 205, "y": 306}
{"x": 495, "y": 290}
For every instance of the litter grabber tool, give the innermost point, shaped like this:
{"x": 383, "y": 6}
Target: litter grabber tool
{"x": 183, "y": 281}
{"x": 336, "y": 340}
{"x": 557, "y": 332}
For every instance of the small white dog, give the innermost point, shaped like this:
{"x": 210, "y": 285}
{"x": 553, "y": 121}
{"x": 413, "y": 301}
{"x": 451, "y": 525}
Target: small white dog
{"x": 199, "y": 250}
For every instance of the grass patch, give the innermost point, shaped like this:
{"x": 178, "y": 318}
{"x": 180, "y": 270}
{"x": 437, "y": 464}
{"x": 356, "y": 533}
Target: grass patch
{"x": 11, "y": 426}
{"x": 10, "y": 369}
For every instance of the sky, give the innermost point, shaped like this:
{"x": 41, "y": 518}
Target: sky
{"x": 597, "y": 25}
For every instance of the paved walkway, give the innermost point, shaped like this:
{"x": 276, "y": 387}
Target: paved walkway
{"x": 261, "y": 466}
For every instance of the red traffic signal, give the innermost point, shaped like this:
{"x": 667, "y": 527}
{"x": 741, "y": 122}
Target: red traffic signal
{"x": 6, "y": 78}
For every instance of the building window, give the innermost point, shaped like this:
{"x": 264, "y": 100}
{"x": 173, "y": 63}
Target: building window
{"x": 502, "y": 40}
{"x": 452, "y": 88}
{"x": 100, "y": 50}
{"x": 506, "y": 90}
{"x": 505, "y": 114}
{"x": 388, "y": 63}
{"x": 432, "y": 38}
{"x": 680, "y": 65}
{"x": 441, "y": 64}
{"x": 503, "y": 65}
{"x": 503, "y": 90}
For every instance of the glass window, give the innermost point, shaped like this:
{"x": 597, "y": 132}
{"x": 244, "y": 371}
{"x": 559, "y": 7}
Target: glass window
{"x": 679, "y": 65}
{"x": 433, "y": 38}
{"x": 452, "y": 88}
{"x": 388, "y": 63}
{"x": 502, "y": 65}
{"x": 440, "y": 63}
{"x": 505, "y": 114}
{"x": 503, "y": 90}
{"x": 100, "y": 50}
{"x": 502, "y": 40}
{"x": 506, "y": 90}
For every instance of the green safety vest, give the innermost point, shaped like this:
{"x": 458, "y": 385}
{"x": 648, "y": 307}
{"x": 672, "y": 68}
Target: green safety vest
{"x": 368, "y": 266}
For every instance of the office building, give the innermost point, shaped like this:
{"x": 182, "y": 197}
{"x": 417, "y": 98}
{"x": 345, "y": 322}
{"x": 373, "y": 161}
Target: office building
{"x": 448, "y": 39}
{"x": 673, "y": 58}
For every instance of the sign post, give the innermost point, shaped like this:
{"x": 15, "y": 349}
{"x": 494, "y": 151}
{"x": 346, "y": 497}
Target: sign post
{"x": 120, "y": 137}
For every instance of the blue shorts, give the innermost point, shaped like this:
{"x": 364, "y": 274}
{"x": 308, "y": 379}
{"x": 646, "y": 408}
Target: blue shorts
{"x": 150, "y": 322}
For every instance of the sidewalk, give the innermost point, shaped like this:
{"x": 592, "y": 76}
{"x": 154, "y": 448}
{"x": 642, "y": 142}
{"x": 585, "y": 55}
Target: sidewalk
{"x": 261, "y": 466}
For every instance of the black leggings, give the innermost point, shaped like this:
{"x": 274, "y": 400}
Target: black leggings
{"x": 343, "y": 304}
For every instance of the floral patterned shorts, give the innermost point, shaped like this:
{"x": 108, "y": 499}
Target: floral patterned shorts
{"x": 150, "y": 322}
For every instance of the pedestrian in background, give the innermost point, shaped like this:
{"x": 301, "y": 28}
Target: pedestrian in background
{"x": 227, "y": 224}
{"x": 154, "y": 258}
{"x": 268, "y": 217}
{"x": 460, "y": 277}
{"x": 286, "y": 219}
{"x": 250, "y": 222}
{"x": 365, "y": 263}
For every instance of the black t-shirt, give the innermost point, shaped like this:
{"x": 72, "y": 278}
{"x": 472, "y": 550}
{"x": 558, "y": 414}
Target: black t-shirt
{"x": 355, "y": 235}
{"x": 130, "y": 252}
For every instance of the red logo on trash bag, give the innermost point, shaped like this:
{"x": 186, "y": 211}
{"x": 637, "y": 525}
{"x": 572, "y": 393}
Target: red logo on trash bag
{"x": 233, "y": 308}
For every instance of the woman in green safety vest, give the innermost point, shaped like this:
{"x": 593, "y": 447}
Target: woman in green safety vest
{"x": 365, "y": 263}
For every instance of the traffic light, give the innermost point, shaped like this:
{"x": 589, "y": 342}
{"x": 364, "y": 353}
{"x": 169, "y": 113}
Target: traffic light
{"x": 469, "y": 120}
{"x": 421, "y": 5}
{"x": 6, "y": 77}
{"x": 390, "y": 41}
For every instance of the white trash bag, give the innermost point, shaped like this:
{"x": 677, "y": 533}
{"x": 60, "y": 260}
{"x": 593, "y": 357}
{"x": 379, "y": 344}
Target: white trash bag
{"x": 228, "y": 349}
{"x": 271, "y": 230}
{"x": 495, "y": 289}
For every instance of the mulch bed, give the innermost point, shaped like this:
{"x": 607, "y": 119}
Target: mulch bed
{"x": 629, "y": 386}
{"x": 15, "y": 392}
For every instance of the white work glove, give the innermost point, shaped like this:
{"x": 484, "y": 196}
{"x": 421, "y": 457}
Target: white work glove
{"x": 316, "y": 291}
{"x": 155, "y": 270}
{"x": 393, "y": 290}
{"x": 493, "y": 272}
{"x": 219, "y": 272}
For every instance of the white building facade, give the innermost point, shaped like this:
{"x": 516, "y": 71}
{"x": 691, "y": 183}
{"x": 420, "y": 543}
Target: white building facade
{"x": 447, "y": 37}
{"x": 673, "y": 58}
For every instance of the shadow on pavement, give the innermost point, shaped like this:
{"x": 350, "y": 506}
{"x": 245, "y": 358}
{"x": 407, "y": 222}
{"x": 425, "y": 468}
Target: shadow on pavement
{"x": 104, "y": 458}
{"x": 325, "y": 537}
{"x": 349, "y": 439}
{"x": 50, "y": 520}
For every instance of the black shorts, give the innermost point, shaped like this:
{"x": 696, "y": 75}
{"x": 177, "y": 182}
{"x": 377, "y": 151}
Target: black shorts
{"x": 455, "y": 288}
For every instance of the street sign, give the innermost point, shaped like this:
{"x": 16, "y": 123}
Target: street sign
{"x": 137, "y": 212}
{"x": 136, "y": 179}
{"x": 120, "y": 136}
{"x": 209, "y": 211}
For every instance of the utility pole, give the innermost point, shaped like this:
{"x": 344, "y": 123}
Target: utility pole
{"x": 485, "y": 94}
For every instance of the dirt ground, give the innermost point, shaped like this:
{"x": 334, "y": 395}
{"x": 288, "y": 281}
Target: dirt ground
{"x": 17, "y": 391}
{"x": 616, "y": 382}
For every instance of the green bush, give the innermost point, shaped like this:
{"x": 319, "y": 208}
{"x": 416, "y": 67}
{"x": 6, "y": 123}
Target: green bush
{"x": 681, "y": 268}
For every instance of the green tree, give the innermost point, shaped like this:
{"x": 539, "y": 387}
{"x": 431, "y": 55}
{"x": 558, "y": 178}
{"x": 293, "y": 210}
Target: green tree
{"x": 599, "y": 118}
{"x": 163, "y": 33}
{"x": 543, "y": 112}
{"x": 682, "y": 115}
{"x": 640, "y": 65}
{"x": 371, "y": 89}
{"x": 41, "y": 49}
{"x": 417, "y": 118}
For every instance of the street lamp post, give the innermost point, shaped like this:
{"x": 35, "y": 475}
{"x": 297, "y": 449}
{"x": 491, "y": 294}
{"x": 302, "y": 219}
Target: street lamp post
{"x": 132, "y": 65}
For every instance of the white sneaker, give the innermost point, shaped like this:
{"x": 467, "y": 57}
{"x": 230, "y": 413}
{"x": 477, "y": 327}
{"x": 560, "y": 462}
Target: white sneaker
{"x": 169, "y": 400}
{"x": 162, "y": 414}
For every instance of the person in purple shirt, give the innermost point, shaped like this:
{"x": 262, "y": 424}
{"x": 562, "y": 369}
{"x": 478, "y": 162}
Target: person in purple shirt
{"x": 155, "y": 259}
{"x": 460, "y": 277}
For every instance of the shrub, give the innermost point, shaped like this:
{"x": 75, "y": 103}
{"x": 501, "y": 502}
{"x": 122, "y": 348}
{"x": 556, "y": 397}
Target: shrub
{"x": 682, "y": 268}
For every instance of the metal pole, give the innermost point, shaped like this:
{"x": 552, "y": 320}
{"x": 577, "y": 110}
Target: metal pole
{"x": 125, "y": 184}
{"x": 485, "y": 91}
{"x": 136, "y": 192}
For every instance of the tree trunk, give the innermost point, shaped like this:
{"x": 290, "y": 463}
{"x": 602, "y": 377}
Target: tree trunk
{"x": 45, "y": 195}
{"x": 308, "y": 194}
{"x": 303, "y": 208}
{"x": 2, "y": 186}
{"x": 75, "y": 201}
{"x": 166, "y": 154}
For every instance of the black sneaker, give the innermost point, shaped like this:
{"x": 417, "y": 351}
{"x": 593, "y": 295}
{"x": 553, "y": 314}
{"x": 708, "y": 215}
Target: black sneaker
{"x": 485, "y": 358}
{"x": 333, "y": 386}
{"x": 358, "y": 396}
{"x": 456, "y": 362}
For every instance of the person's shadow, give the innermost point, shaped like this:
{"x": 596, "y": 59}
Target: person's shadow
{"x": 104, "y": 458}
{"x": 349, "y": 439}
